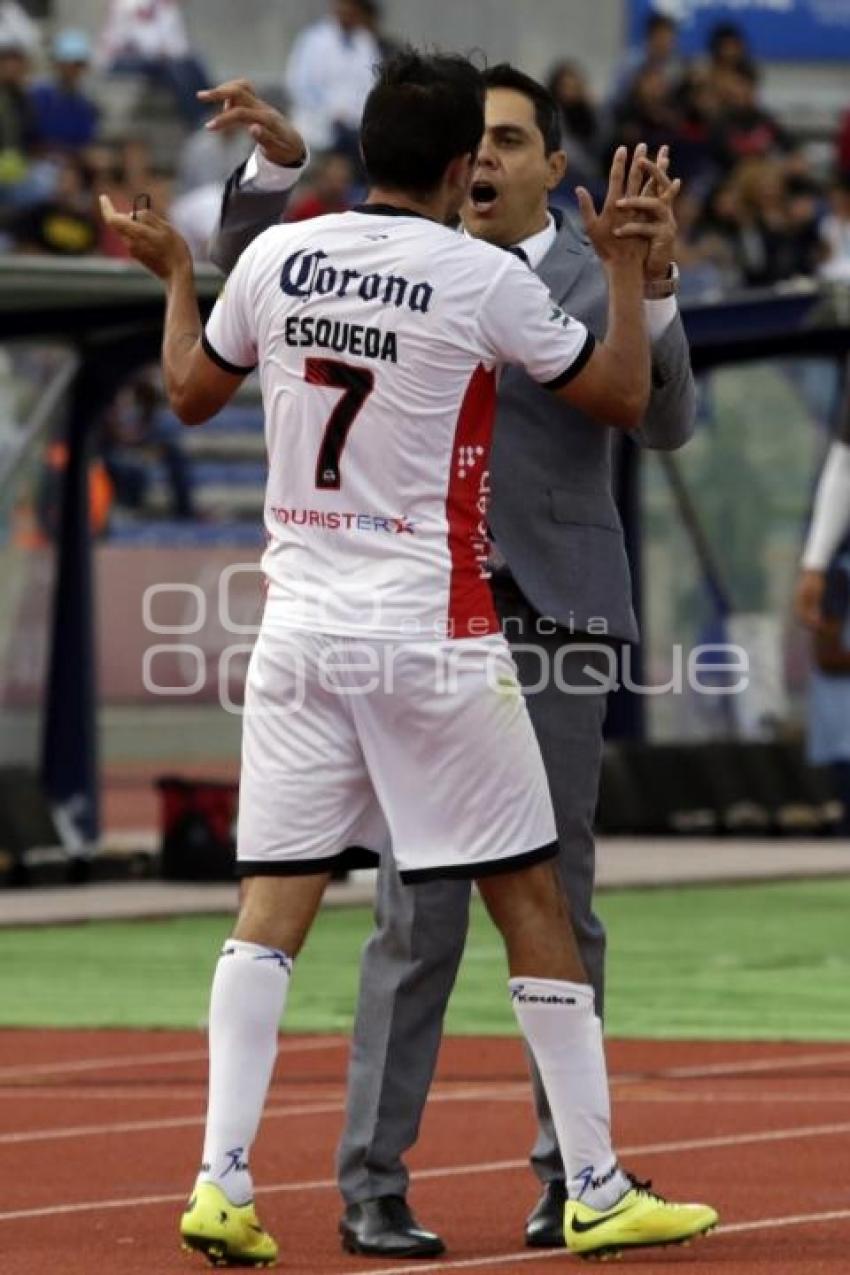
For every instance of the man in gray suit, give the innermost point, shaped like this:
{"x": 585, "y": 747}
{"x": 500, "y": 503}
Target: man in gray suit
{"x": 561, "y": 581}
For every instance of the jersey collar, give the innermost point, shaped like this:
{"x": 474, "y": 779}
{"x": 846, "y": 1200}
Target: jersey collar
{"x": 390, "y": 210}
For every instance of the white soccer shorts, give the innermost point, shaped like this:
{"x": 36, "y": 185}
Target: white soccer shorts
{"x": 425, "y": 746}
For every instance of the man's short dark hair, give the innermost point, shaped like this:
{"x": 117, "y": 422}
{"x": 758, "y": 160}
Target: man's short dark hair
{"x": 423, "y": 112}
{"x": 546, "y": 113}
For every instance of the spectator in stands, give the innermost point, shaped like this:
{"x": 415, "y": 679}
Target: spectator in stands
{"x": 329, "y": 74}
{"x": 745, "y": 129}
{"x": 645, "y": 114}
{"x": 697, "y": 107}
{"x": 149, "y": 37}
{"x": 659, "y": 51}
{"x": 581, "y": 128}
{"x": 835, "y": 234}
{"x": 121, "y": 171}
{"x": 775, "y": 239}
{"x": 17, "y": 28}
{"x": 18, "y": 126}
{"x": 705, "y": 247}
{"x": 329, "y": 188}
{"x": 843, "y": 145}
{"x": 65, "y": 118}
{"x": 727, "y": 47}
{"x": 63, "y": 224}
{"x": 134, "y": 435}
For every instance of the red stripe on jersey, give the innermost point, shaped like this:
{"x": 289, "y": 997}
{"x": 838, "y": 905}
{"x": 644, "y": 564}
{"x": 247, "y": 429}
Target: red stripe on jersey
{"x": 471, "y": 610}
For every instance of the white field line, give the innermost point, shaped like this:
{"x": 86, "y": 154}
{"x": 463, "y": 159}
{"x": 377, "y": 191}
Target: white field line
{"x": 485, "y": 1093}
{"x": 451, "y": 1171}
{"x": 745, "y": 1066}
{"x": 502, "y": 1259}
{"x": 25, "y": 1071}
{"x": 514, "y": 1092}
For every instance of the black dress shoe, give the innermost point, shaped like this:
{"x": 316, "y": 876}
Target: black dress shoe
{"x": 545, "y": 1225}
{"x": 385, "y": 1227}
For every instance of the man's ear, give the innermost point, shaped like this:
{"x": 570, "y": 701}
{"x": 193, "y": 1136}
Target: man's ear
{"x": 557, "y": 163}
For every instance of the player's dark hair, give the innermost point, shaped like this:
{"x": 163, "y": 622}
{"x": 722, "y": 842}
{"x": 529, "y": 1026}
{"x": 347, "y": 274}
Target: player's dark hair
{"x": 546, "y": 113}
{"x": 423, "y": 112}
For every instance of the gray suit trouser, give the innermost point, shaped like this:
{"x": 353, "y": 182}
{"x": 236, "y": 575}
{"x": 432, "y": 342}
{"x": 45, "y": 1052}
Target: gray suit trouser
{"x": 411, "y": 960}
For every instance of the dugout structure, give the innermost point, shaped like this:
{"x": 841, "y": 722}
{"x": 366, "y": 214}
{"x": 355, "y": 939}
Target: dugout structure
{"x": 769, "y": 364}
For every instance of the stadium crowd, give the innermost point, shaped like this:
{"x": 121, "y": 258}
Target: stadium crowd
{"x": 756, "y": 208}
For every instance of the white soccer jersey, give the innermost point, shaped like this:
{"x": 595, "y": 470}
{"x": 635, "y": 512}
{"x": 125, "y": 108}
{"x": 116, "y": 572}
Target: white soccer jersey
{"x": 378, "y": 335}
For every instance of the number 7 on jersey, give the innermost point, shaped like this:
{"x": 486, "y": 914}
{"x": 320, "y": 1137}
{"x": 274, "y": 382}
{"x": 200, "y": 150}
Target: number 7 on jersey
{"x": 358, "y": 383}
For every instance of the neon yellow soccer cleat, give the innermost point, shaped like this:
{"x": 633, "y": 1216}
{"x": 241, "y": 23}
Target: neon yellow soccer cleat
{"x": 639, "y": 1219}
{"x": 226, "y": 1234}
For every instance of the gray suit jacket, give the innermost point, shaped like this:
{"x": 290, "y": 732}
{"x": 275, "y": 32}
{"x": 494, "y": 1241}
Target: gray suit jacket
{"x": 552, "y": 510}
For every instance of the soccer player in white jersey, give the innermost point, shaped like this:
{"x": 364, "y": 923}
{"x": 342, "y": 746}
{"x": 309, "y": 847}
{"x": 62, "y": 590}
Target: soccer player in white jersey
{"x": 381, "y": 696}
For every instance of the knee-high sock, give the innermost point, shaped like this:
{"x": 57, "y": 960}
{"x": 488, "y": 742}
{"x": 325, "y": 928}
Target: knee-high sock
{"x": 248, "y": 996}
{"x": 558, "y": 1021}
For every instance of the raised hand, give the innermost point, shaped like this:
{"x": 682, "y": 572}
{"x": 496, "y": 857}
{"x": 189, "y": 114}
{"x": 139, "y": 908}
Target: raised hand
{"x": 604, "y": 228}
{"x": 650, "y": 212}
{"x": 152, "y": 241}
{"x": 278, "y": 140}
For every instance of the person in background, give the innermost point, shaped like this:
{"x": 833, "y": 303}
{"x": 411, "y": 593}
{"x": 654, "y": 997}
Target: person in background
{"x": 18, "y": 127}
{"x": 149, "y": 37}
{"x": 727, "y": 47}
{"x": 659, "y": 51}
{"x": 776, "y": 233}
{"x": 17, "y": 28}
{"x": 581, "y": 128}
{"x": 329, "y": 74}
{"x": 64, "y": 223}
{"x": 830, "y": 521}
{"x": 828, "y": 735}
{"x": 645, "y": 113}
{"x": 842, "y": 146}
{"x": 834, "y": 233}
{"x": 745, "y": 129}
{"x": 65, "y": 118}
{"x": 697, "y": 107}
{"x": 329, "y": 183}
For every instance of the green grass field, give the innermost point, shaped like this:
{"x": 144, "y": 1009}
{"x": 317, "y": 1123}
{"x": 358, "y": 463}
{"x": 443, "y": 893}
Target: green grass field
{"x": 750, "y": 962}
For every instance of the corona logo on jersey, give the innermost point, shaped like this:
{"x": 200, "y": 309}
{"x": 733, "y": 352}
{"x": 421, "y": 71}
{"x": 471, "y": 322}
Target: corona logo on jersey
{"x": 304, "y": 276}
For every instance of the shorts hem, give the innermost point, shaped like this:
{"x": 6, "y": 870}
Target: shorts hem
{"x": 485, "y": 868}
{"x": 349, "y": 860}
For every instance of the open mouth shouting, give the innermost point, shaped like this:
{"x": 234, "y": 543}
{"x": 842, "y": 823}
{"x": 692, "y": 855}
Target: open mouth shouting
{"x": 483, "y": 197}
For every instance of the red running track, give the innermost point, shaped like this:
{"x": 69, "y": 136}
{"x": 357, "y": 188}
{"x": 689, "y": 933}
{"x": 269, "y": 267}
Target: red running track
{"x": 101, "y": 1133}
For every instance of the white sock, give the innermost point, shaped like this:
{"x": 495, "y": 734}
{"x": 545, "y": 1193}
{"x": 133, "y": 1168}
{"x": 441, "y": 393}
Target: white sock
{"x": 565, "y": 1036}
{"x": 247, "y": 1000}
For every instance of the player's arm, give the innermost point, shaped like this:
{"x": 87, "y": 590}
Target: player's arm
{"x": 614, "y": 385}
{"x": 197, "y": 384}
